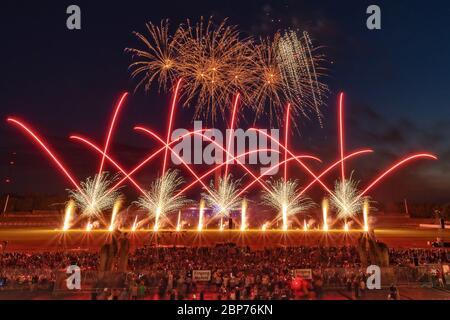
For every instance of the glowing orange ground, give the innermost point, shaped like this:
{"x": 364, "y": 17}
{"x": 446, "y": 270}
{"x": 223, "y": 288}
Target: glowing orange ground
{"x": 36, "y": 239}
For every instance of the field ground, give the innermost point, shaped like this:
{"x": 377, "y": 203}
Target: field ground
{"x": 39, "y": 239}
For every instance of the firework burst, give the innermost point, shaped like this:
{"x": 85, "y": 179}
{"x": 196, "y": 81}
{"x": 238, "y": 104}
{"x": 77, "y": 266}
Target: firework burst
{"x": 346, "y": 199}
{"x": 216, "y": 62}
{"x": 158, "y": 60}
{"x": 95, "y": 194}
{"x": 224, "y": 198}
{"x": 213, "y": 60}
{"x": 300, "y": 70}
{"x": 289, "y": 71}
{"x": 283, "y": 197}
{"x": 162, "y": 197}
{"x": 268, "y": 87}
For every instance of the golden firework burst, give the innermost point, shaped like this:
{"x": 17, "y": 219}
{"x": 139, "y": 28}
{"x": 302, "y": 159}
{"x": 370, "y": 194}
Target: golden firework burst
{"x": 300, "y": 70}
{"x": 216, "y": 62}
{"x": 215, "y": 65}
{"x": 158, "y": 60}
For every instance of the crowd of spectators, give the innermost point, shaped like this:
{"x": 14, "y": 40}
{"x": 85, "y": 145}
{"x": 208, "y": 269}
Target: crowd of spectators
{"x": 236, "y": 272}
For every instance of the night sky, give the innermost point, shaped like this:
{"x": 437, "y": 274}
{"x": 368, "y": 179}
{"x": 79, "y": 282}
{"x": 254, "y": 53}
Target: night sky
{"x": 396, "y": 80}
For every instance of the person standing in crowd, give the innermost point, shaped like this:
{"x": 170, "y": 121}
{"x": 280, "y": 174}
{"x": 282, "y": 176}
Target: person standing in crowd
{"x": 142, "y": 290}
{"x": 393, "y": 293}
{"x": 356, "y": 285}
{"x": 124, "y": 294}
{"x": 362, "y": 287}
{"x": 134, "y": 291}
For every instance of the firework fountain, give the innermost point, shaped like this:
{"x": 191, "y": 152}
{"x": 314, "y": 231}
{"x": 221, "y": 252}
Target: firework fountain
{"x": 346, "y": 227}
{"x": 283, "y": 198}
{"x": 224, "y": 198}
{"x": 209, "y": 65}
{"x": 325, "y": 214}
{"x": 163, "y": 198}
{"x": 95, "y": 195}
{"x": 178, "y": 228}
{"x": 114, "y": 214}
{"x": 134, "y": 227}
{"x": 346, "y": 200}
{"x": 366, "y": 215}
{"x": 200, "y": 215}
{"x": 70, "y": 206}
{"x": 89, "y": 226}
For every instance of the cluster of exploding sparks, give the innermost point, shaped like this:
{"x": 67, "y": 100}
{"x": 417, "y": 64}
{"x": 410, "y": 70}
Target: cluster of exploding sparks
{"x": 163, "y": 197}
{"x": 216, "y": 62}
{"x": 225, "y": 198}
{"x": 346, "y": 200}
{"x": 283, "y": 198}
{"x": 96, "y": 195}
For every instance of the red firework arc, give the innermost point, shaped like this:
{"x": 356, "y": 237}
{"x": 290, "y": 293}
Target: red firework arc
{"x": 167, "y": 145}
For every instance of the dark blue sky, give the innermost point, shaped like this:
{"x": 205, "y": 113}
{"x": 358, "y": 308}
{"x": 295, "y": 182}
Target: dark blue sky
{"x": 397, "y": 82}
